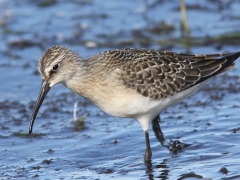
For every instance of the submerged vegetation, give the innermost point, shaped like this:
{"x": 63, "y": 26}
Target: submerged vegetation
{"x": 93, "y": 145}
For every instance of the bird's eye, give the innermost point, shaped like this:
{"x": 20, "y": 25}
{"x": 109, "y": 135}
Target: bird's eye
{"x": 55, "y": 67}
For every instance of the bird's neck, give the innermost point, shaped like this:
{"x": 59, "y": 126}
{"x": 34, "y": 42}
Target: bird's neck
{"x": 83, "y": 81}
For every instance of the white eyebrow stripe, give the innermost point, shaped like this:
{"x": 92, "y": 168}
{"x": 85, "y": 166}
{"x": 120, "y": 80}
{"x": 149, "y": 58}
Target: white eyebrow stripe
{"x": 57, "y": 60}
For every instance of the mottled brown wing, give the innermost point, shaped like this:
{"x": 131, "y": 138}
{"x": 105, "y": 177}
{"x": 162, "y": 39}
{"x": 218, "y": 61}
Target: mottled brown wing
{"x": 159, "y": 74}
{"x": 160, "y": 77}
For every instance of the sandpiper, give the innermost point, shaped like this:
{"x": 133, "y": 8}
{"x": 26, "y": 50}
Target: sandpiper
{"x": 131, "y": 83}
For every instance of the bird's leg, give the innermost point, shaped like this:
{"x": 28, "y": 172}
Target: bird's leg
{"x": 148, "y": 153}
{"x": 157, "y": 129}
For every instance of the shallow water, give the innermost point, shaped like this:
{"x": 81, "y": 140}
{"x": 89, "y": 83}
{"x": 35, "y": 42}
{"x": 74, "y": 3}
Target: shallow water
{"x": 108, "y": 147}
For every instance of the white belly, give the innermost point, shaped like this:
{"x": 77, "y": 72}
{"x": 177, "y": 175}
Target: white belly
{"x": 117, "y": 100}
{"x": 122, "y": 102}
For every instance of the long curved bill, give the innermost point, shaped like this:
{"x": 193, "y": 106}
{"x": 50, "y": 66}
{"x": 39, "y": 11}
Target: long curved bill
{"x": 42, "y": 94}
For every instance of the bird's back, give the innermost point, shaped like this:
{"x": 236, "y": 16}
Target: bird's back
{"x": 160, "y": 74}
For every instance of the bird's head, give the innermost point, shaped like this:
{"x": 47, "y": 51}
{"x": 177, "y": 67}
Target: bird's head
{"x": 56, "y": 65}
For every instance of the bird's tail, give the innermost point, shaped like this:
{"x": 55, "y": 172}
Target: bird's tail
{"x": 213, "y": 65}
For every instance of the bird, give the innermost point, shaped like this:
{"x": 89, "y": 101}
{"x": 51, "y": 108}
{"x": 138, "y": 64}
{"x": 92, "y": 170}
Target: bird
{"x": 132, "y": 83}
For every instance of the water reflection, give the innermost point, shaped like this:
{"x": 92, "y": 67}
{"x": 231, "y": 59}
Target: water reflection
{"x": 162, "y": 169}
{"x": 209, "y": 119}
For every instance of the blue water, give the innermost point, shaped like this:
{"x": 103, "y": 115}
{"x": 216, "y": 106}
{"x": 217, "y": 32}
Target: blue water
{"x": 109, "y": 147}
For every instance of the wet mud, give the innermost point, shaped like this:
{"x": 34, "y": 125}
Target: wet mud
{"x": 204, "y": 129}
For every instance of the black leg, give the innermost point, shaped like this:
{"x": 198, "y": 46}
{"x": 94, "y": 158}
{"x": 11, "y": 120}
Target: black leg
{"x": 148, "y": 153}
{"x": 157, "y": 129}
